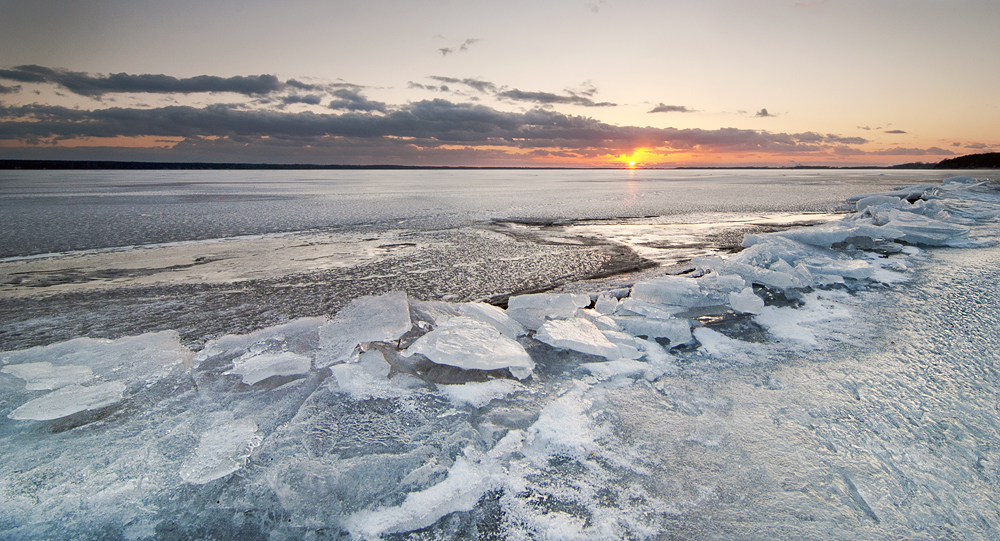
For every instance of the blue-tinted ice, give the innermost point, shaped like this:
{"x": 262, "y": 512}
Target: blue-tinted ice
{"x": 792, "y": 390}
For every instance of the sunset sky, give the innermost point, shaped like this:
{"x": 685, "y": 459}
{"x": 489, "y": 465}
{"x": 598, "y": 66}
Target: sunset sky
{"x": 597, "y": 83}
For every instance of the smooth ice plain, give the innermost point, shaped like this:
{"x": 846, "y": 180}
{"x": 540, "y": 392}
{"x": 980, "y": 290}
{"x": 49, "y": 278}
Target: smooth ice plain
{"x": 834, "y": 381}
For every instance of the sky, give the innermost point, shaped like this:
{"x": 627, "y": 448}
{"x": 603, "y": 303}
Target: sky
{"x": 574, "y": 83}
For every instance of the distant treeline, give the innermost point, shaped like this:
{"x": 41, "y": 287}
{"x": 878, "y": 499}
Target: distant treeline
{"x": 989, "y": 160}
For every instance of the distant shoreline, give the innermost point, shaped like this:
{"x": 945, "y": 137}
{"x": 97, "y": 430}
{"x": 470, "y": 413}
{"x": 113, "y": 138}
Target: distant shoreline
{"x": 126, "y": 165}
{"x": 972, "y": 161}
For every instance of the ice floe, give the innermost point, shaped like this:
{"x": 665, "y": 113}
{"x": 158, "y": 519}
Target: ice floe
{"x": 43, "y": 376}
{"x": 222, "y": 449}
{"x": 69, "y": 400}
{"x": 256, "y": 368}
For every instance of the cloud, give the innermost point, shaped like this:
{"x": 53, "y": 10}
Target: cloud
{"x": 894, "y": 132}
{"x": 595, "y": 7}
{"x": 445, "y": 51}
{"x": 351, "y": 100}
{"x": 310, "y": 99}
{"x": 9, "y": 89}
{"x": 936, "y": 151}
{"x": 302, "y": 86}
{"x": 479, "y": 85}
{"x": 976, "y": 146}
{"x": 661, "y": 108}
{"x": 84, "y": 84}
{"x": 763, "y": 113}
{"x": 832, "y": 138}
{"x": 548, "y": 98}
{"x": 580, "y": 96}
{"x": 425, "y": 124}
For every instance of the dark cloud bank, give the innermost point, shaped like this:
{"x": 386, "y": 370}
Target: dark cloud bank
{"x": 356, "y": 128}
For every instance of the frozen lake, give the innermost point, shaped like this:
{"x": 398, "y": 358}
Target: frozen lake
{"x": 837, "y": 378}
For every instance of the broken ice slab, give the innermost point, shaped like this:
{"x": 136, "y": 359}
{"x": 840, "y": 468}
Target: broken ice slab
{"x": 533, "y": 310}
{"x": 478, "y": 394}
{"x": 746, "y": 301}
{"x": 620, "y": 367}
{"x": 43, "y": 376}
{"x": 367, "y": 319}
{"x": 69, "y": 400}
{"x": 498, "y": 318}
{"x": 471, "y": 344}
{"x": 256, "y": 368}
{"x": 578, "y": 334}
{"x": 222, "y": 449}
{"x": 917, "y": 229}
{"x": 299, "y": 336}
{"x": 676, "y": 330}
{"x": 678, "y": 291}
{"x": 134, "y": 360}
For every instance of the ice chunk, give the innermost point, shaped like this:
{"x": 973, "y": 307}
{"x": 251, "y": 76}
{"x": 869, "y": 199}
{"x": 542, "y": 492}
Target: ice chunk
{"x": 488, "y": 313}
{"x": 879, "y": 200}
{"x": 256, "y": 368}
{"x": 42, "y": 376}
{"x": 628, "y": 347}
{"x": 642, "y": 308}
{"x": 368, "y": 378}
{"x": 678, "y": 331}
{"x": 746, "y": 301}
{"x": 478, "y": 394}
{"x": 533, "y": 310}
{"x": 563, "y": 428}
{"x": 720, "y": 346}
{"x": 367, "y": 319}
{"x": 917, "y": 229}
{"x": 796, "y": 324}
{"x": 577, "y": 334}
{"x": 471, "y": 344}
{"x": 133, "y": 360}
{"x": 222, "y": 449}
{"x": 468, "y": 479}
{"x": 606, "y": 304}
{"x": 299, "y": 336}
{"x": 668, "y": 290}
{"x": 69, "y": 400}
{"x": 621, "y": 367}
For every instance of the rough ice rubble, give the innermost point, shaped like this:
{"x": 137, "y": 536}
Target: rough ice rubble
{"x": 564, "y": 427}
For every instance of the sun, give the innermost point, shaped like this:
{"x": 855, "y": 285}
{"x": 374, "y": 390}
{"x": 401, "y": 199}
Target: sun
{"x": 631, "y": 163}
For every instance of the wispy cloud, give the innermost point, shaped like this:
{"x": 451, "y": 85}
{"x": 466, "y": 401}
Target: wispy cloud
{"x": 933, "y": 151}
{"x": 894, "y": 132}
{"x": 9, "y": 89}
{"x": 581, "y": 96}
{"x": 445, "y": 51}
{"x": 663, "y": 108}
{"x": 763, "y": 113}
